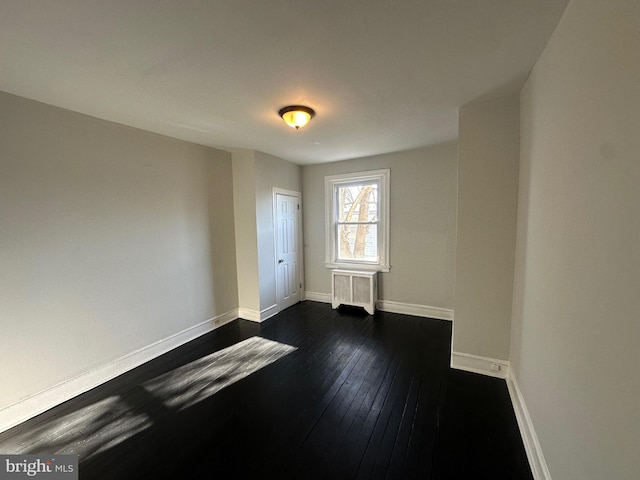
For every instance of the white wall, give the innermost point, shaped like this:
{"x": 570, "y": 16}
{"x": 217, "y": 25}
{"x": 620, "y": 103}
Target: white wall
{"x": 576, "y": 320}
{"x": 111, "y": 238}
{"x": 488, "y": 151}
{"x": 422, "y": 224}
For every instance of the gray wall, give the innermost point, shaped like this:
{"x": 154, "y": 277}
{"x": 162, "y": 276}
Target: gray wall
{"x": 422, "y": 229}
{"x": 576, "y": 325}
{"x": 244, "y": 203}
{"x": 270, "y": 172}
{"x": 111, "y": 238}
{"x": 488, "y": 151}
{"x": 255, "y": 174}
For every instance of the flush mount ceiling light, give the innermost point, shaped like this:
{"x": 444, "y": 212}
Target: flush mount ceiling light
{"x": 296, "y": 116}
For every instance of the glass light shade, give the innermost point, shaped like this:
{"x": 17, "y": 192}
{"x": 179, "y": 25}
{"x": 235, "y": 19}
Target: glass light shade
{"x": 296, "y": 116}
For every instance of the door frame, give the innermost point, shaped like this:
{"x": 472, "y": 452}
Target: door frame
{"x": 291, "y": 193}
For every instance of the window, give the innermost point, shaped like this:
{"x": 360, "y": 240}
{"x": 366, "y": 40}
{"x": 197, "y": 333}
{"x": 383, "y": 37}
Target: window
{"x": 357, "y": 220}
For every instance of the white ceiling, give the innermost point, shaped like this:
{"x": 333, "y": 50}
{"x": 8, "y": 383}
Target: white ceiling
{"x": 382, "y": 75}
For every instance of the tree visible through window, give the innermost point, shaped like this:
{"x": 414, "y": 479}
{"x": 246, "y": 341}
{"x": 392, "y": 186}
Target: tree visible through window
{"x": 357, "y": 224}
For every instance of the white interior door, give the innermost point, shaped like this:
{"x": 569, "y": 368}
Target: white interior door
{"x": 288, "y": 285}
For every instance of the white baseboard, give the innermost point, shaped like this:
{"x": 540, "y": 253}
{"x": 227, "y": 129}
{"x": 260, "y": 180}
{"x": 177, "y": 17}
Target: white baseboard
{"x": 40, "y": 402}
{"x": 257, "y": 316}
{"x": 485, "y": 366}
{"x": 249, "y": 314}
{"x": 477, "y": 364}
{"x": 537, "y": 462}
{"x": 393, "y": 307}
{"x": 318, "y": 297}
{"x": 415, "y": 310}
{"x": 268, "y": 312}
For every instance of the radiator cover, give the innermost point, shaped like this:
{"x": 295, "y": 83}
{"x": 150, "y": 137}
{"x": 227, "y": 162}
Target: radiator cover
{"x": 354, "y": 287}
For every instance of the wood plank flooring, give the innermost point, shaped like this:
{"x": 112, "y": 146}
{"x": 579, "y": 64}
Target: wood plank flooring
{"x": 346, "y": 396}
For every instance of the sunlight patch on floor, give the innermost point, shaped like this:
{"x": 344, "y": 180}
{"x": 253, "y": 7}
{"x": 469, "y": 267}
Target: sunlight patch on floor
{"x": 198, "y": 380}
{"x": 109, "y": 422}
{"x": 86, "y": 432}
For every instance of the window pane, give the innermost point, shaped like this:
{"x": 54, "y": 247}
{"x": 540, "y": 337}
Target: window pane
{"x": 358, "y": 203}
{"x": 358, "y": 242}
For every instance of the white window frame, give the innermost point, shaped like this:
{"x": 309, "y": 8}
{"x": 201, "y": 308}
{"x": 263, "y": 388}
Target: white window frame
{"x": 331, "y": 182}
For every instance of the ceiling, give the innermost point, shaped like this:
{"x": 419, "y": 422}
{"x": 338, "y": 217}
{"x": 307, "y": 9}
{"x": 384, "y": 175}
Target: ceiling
{"x": 382, "y": 75}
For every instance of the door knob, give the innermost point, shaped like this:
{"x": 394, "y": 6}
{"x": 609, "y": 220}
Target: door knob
{"x": 281, "y": 260}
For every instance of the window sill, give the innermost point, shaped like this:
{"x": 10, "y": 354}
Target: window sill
{"x": 367, "y": 267}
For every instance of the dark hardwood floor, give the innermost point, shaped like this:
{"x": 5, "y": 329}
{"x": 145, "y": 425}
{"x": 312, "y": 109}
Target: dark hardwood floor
{"x": 357, "y": 397}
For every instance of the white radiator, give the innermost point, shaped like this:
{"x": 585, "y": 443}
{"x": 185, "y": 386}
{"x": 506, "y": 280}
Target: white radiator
{"x": 353, "y": 287}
